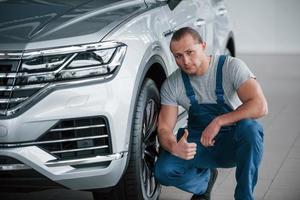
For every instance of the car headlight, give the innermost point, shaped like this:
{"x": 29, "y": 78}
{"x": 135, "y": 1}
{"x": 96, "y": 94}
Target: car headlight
{"x": 82, "y": 61}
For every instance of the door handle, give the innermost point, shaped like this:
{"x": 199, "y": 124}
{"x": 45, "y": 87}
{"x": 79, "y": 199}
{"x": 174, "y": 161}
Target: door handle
{"x": 200, "y": 22}
{"x": 168, "y": 32}
{"x": 221, "y": 12}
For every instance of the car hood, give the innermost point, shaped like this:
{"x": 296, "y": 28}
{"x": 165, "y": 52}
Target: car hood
{"x": 32, "y": 24}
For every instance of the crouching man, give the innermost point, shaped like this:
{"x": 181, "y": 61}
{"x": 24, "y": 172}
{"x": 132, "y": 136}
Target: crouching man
{"x": 223, "y": 99}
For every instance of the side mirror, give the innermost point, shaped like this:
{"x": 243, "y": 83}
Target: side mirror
{"x": 171, "y": 3}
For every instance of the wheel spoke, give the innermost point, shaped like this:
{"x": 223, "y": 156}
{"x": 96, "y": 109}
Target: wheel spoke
{"x": 147, "y": 163}
{"x": 149, "y": 113}
{"x": 148, "y": 175}
{"x": 144, "y": 177}
{"x": 153, "y": 183}
{"x": 150, "y": 117}
{"x": 150, "y": 188}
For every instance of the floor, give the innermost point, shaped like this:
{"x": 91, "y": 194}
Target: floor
{"x": 279, "y": 177}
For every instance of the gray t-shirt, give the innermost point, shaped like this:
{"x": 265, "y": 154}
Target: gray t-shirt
{"x": 235, "y": 73}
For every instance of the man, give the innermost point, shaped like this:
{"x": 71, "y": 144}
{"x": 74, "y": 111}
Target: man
{"x": 223, "y": 98}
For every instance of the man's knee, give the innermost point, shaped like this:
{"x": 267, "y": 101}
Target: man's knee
{"x": 166, "y": 174}
{"x": 250, "y": 131}
{"x": 160, "y": 173}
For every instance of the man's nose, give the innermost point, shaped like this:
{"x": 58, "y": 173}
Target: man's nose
{"x": 186, "y": 60}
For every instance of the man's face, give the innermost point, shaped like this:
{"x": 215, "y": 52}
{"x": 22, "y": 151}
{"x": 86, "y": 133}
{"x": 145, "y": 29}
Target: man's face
{"x": 188, "y": 54}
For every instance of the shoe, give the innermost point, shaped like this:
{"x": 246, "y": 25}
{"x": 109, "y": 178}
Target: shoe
{"x": 212, "y": 180}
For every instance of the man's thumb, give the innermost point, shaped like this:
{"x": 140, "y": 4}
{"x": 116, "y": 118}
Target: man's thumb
{"x": 186, "y": 134}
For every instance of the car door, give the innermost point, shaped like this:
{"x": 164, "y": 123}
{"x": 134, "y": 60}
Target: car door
{"x": 221, "y": 26}
{"x": 205, "y": 23}
{"x": 184, "y": 14}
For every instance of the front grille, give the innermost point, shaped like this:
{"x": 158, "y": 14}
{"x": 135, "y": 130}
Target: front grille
{"x": 78, "y": 138}
{"x": 13, "y": 93}
{"x": 8, "y": 70}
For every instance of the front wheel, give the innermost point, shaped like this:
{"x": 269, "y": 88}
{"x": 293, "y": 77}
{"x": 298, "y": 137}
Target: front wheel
{"x": 139, "y": 183}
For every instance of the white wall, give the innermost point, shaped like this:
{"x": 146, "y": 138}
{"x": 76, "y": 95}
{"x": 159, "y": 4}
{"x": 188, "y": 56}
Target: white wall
{"x": 266, "y": 26}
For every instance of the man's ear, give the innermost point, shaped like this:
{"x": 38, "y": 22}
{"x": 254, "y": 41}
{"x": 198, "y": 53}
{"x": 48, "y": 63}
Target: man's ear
{"x": 204, "y": 45}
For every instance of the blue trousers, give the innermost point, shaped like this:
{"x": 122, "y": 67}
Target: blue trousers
{"x": 239, "y": 146}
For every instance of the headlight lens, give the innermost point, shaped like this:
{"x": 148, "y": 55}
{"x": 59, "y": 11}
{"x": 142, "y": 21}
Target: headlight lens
{"x": 92, "y": 58}
{"x": 100, "y": 59}
{"x": 43, "y": 63}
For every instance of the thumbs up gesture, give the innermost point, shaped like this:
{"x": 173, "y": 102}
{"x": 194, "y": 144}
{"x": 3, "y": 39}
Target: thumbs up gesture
{"x": 184, "y": 149}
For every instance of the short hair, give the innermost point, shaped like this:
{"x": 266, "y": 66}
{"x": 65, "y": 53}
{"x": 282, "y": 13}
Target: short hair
{"x": 180, "y": 33}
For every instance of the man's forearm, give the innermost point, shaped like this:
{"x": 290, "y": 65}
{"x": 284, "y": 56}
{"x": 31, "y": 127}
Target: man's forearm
{"x": 167, "y": 140}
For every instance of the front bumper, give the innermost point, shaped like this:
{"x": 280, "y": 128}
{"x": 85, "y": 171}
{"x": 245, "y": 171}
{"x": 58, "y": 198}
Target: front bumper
{"x": 105, "y": 173}
{"x": 97, "y": 99}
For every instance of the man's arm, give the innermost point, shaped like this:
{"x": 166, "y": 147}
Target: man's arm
{"x": 166, "y": 123}
{"x": 254, "y": 105}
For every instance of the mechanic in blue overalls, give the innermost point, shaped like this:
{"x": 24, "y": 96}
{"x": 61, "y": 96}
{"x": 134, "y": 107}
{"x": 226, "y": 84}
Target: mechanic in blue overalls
{"x": 223, "y": 100}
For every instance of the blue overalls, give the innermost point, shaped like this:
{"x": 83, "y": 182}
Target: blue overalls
{"x": 239, "y": 145}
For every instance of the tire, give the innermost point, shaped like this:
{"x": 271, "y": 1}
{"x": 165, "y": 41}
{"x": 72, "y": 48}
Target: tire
{"x": 138, "y": 182}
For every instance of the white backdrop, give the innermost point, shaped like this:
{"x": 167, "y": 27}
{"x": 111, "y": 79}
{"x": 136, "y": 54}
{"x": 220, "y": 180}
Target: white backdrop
{"x": 266, "y": 26}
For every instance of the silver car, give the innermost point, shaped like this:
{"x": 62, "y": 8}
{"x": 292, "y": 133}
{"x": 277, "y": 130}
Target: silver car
{"x": 79, "y": 89}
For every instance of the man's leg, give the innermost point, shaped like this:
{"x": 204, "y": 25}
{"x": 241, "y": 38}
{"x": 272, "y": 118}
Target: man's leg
{"x": 248, "y": 137}
{"x": 173, "y": 171}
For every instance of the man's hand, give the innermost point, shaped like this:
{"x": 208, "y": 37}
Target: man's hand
{"x": 209, "y": 133}
{"x": 183, "y": 149}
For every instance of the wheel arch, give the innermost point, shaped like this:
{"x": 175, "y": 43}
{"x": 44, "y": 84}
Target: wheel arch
{"x": 156, "y": 70}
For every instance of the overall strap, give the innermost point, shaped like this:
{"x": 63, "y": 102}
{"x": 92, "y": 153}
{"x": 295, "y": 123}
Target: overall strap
{"x": 188, "y": 88}
{"x": 219, "y": 88}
